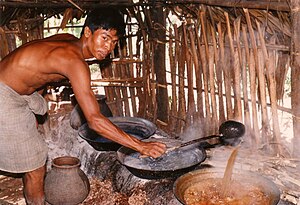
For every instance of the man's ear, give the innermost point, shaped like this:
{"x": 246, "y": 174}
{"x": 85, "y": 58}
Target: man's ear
{"x": 87, "y": 32}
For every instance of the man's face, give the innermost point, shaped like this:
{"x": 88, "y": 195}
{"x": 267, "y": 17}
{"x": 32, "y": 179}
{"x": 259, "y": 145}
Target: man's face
{"x": 102, "y": 43}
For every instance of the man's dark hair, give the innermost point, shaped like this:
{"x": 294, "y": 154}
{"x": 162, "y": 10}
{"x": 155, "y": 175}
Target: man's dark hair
{"x": 105, "y": 18}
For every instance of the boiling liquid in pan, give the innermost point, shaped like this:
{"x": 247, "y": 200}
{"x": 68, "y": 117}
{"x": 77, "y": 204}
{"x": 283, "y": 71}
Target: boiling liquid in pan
{"x": 225, "y": 191}
{"x": 171, "y": 161}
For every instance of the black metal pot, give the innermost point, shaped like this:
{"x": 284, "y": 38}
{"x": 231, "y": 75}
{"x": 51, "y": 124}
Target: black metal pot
{"x": 77, "y": 117}
{"x": 137, "y": 127}
{"x": 157, "y": 168}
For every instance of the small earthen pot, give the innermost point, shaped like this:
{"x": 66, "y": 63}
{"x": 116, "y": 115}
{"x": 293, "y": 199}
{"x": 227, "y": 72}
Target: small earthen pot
{"x": 66, "y": 183}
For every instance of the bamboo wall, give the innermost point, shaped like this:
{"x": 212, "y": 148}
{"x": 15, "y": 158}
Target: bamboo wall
{"x": 233, "y": 68}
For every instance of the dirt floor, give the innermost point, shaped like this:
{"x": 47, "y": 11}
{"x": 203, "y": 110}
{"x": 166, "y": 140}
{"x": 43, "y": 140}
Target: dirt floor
{"x": 280, "y": 171}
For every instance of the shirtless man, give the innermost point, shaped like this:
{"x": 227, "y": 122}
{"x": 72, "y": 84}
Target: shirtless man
{"x": 32, "y": 66}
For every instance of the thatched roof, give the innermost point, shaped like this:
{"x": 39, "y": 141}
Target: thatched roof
{"x": 16, "y": 9}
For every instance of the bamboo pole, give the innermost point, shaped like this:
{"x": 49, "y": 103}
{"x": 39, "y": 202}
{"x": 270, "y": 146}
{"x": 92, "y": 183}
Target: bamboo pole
{"x": 191, "y": 101}
{"x": 295, "y": 83}
{"x": 219, "y": 73}
{"x": 272, "y": 89}
{"x": 204, "y": 56}
{"x": 173, "y": 60}
{"x": 152, "y": 83}
{"x": 143, "y": 96}
{"x": 181, "y": 92}
{"x": 211, "y": 70}
{"x": 131, "y": 74}
{"x": 180, "y": 118}
{"x": 117, "y": 90}
{"x": 227, "y": 80}
{"x": 238, "y": 68}
{"x": 259, "y": 73}
{"x": 236, "y": 72}
{"x": 252, "y": 76}
{"x": 121, "y": 68}
{"x": 198, "y": 72}
{"x": 262, "y": 97}
{"x": 193, "y": 36}
{"x": 245, "y": 67}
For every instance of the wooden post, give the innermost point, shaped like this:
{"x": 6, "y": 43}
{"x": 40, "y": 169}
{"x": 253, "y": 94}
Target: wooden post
{"x": 295, "y": 65}
{"x": 159, "y": 20}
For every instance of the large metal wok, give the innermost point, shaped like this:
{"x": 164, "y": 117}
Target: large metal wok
{"x": 171, "y": 165}
{"x": 184, "y": 158}
{"x": 245, "y": 179}
{"x": 137, "y": 127}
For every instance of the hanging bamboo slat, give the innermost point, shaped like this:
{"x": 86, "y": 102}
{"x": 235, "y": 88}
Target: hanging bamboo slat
{"x": 260, "y": 74}
{"x": 173, "y": 59}
{"x": 181, "y": 91}
{"x": 193, "y": 37}
{"x": 237, "y": 69}
{"x": 219, "y": 74}
{"x": 273, "y": 99}
{"x": 204, "y": 56}
{"x": 245, "y": 66}
{"x": 198, "y": 73}
{"x": 236, "y": 73}
{"x": 131, "y": 74}
{"x": 122, "y": 72}
{"x": 190, "y": 78}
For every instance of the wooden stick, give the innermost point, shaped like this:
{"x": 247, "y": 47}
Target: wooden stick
{"x": 181, "y": 93}
{"x": 173, "y": 60}
{"x": 237, "y": 69}
{"x": 211, "y": 71}
{"x": 259, "y": 72}
{"x": 245, "y": 64}
{"x": 191, "y": 101}
{"x": 198, "y": 72}
{"x": 219, "y": 73}
{"x": 271, "y": 77}
{"x": 227, "y": 81}
{"x": 204, "y": 57}
{"x": 131, "y": 74}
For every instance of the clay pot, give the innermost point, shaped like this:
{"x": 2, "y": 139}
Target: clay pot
{"x": 66, "y": 183}
{"x": 77, "y": 117}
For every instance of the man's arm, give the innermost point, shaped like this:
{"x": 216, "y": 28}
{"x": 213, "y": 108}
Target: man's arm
{"x": 81, "y": 84}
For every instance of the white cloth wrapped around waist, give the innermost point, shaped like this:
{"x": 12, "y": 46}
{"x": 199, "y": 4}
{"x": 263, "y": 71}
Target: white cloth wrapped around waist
{"x": 22, "y": 148}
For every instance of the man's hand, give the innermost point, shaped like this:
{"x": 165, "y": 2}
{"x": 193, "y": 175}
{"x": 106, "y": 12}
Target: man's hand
{"x": 152, "y": 149}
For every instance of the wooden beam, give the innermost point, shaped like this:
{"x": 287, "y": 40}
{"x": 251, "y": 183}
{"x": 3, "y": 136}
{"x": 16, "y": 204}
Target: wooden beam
{"x": 295, "y": 74}
{"x": 254, "y": 4}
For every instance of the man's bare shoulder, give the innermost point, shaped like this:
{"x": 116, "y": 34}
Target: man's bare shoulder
{"x": 59, "y": 45}
{"x": 61, "y": 37}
